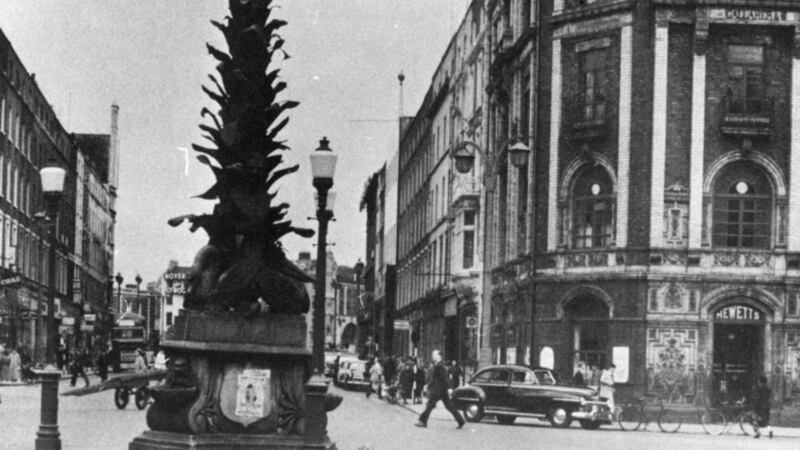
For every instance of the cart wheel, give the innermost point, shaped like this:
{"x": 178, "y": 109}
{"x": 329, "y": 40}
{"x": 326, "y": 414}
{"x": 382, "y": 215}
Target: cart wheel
{"x": 121, "y": 397}
{"x": 141, "y": 397}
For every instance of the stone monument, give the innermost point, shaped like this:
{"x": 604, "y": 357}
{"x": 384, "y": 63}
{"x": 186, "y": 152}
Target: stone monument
{"x": 240, "y": 370}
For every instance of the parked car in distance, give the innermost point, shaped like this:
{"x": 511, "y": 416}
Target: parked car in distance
{"x": 353, "y": 374}
{"x": 330, "y": 364}
{"x": 510, "y": 391}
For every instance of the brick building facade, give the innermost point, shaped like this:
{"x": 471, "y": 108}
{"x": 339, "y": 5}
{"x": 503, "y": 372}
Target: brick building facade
{"x": 665, "y": 197}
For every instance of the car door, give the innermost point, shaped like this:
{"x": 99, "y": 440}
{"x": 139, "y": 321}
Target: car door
{"x": 494, "y": 383}
{"x": 524, "y": 392}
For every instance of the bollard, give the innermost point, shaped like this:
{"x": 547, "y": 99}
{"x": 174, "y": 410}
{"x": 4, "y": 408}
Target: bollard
{"x": 48, "y": 437}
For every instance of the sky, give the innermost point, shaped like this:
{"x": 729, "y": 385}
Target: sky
{"x": 149, "y": 57}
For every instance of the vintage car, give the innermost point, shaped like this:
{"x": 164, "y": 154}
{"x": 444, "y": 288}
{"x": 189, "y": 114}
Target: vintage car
{"x": 510, "y": 391}
{"x": 353, "y": 374}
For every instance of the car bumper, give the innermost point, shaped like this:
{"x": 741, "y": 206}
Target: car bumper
{"x": 593, "y": 411}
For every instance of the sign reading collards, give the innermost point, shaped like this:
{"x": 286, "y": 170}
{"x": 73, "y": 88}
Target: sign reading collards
{"x": 739, "y": 312}
{"x": 751, "y": 14}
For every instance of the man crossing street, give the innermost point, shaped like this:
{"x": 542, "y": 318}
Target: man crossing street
{"x": 438, "y": 388}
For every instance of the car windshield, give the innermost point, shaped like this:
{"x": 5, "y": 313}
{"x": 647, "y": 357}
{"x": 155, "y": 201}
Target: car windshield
{"x": 544, "y": 377}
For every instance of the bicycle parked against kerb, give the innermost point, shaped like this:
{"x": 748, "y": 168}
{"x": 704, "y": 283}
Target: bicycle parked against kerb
{"x": 716, "y": 420}
{"x": 631, "y": 416}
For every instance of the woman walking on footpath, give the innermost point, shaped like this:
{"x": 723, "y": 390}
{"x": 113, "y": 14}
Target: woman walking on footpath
{"x": 762, "y": 397}
{"x": 375, "y": 378}
{"x": 406, "y": 381}
{"x": 14, "y": 366}
{"x": 419, "y": 382}
{"x": 438, "y": 389}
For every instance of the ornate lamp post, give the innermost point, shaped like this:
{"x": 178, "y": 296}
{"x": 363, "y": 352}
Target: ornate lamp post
{"x": 119, "y": 279}
{"x": 323, "y": 166}
{"x": 48, "y": 437}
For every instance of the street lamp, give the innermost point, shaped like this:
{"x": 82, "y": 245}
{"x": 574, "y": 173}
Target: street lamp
{"x": 119, "y": 279}
{"x": 47, "y": 436}
{"x": 323, "y": 166}
{"x": 138, "y": 281}
{"x": 359, "y": 267}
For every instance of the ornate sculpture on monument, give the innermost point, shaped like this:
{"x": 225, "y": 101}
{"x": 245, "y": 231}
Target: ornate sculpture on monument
{"x": 240, "y": 363}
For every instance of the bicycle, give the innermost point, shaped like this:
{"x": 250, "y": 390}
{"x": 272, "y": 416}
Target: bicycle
{"x": 631, "y": 416}
{"x": 715, "y": 420}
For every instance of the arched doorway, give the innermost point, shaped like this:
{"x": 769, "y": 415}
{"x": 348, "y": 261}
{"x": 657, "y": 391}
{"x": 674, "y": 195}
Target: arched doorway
{"x": 588, "y": 316}
{"x": 348, "y": 336}
{"x": 738, "y": 347}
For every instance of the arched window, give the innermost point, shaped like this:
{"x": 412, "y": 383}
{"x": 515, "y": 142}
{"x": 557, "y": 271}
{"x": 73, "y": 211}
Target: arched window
{"x": 742, "y": 205}
{"x": 592, "y": 204}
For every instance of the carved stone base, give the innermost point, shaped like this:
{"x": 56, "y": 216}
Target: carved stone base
{"x": 238, "y": 382}
{"x": 160, "y": 440}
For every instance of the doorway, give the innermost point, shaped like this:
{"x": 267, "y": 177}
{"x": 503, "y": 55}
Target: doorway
{"x": 738, "y": 359}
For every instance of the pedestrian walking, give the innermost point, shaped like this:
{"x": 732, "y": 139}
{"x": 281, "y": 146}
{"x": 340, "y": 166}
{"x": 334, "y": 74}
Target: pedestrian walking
{"x": 102, "y": 364}
{"x": 375, "y": 378}
{"x": 5, "y": 361}
{"x": 419, "y": 382}
{"x": 607, "y": 385}
{"x": 14, "y": 366}
{"x": 455, "y": 373}
{"x": 76, "y": 368}
{"x": 762, "y": 398}
{"x": 438, "y": 389}
{"x": 406, "y": 381}
{"x": 139, "y": 363}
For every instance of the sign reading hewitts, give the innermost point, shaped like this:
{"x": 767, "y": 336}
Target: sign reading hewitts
{"x": 739, "y": 312}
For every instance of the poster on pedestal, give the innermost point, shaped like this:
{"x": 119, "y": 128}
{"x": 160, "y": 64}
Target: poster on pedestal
{"x": 246, "y": 394}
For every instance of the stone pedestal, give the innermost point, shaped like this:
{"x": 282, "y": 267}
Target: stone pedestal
{"x": 238, "y": 383}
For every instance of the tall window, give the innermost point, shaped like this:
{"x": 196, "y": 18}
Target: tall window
{"x": 502, "y": 210}
{"x": 742, "y": 207}
{"x": 592, "y": 209}
{"x": 469, "y": 239}
{"x": 522, "y": 208}
{"x": 593, "y": 83}
{"x": 746, "y": 79}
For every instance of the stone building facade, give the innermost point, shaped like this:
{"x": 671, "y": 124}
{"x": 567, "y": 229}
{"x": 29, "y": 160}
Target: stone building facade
{"x": 665, "y": 195}
{"x": 439, "y": 259}
{"x": 32, "y": 137}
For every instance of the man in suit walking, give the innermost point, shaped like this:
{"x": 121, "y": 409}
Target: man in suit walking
{"x": 438, "y": 388}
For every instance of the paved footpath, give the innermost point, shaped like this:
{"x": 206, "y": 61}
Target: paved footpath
{"x": 93, "y": 422}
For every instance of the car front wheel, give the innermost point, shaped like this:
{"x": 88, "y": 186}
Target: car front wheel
{"x": 473, "y": 412}
{"x": 560, "y": 418}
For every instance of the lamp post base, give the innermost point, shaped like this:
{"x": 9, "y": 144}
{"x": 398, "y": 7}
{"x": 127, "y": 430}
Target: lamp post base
{"x": 47, "y": 436}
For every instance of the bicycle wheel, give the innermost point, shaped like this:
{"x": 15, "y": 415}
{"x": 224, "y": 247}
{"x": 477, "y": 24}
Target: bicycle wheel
{"x": 714, "y": 422}
{"x": 629, "y": 417}
{"x": 669, "y": 421}
{"x": 748, "y": 423}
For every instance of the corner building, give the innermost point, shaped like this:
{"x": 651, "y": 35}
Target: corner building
{"x": 665, "y": 195}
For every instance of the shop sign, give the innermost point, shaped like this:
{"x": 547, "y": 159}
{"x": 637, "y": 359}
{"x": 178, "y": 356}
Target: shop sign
{"x": 89, "y": 317}
{"x": 67, "y": 321}
{"x": 751, "y": 14}
{"x": 87, "y": 327}
{"x": 66, "y": 329}
{"x": 739, "y": 312}
{"x": 126, "y": 323}
{"x": 16, "y": 279}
